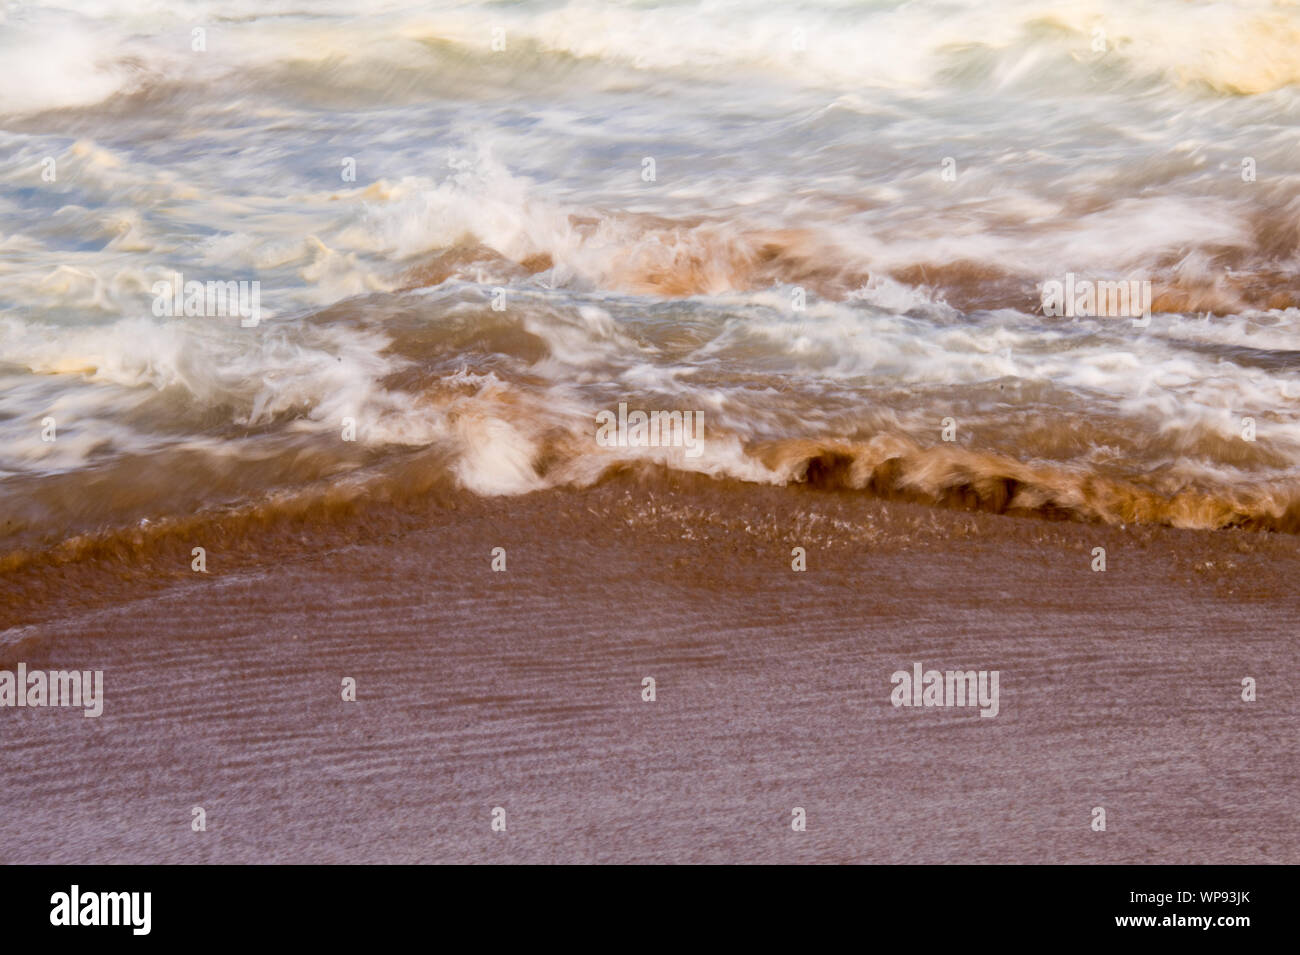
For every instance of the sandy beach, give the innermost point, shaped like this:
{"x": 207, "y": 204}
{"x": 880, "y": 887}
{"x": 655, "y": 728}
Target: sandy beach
{"x": 522, "y": 690}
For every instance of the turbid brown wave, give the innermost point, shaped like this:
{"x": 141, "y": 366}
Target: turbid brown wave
{"x": 401, "y": 494}
{"x": 651, "y": 255}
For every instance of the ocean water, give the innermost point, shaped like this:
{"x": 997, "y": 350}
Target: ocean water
{"x": 823, "y": 228}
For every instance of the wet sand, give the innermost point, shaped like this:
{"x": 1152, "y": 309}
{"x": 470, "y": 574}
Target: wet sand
{"x": 522, "y": 689}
